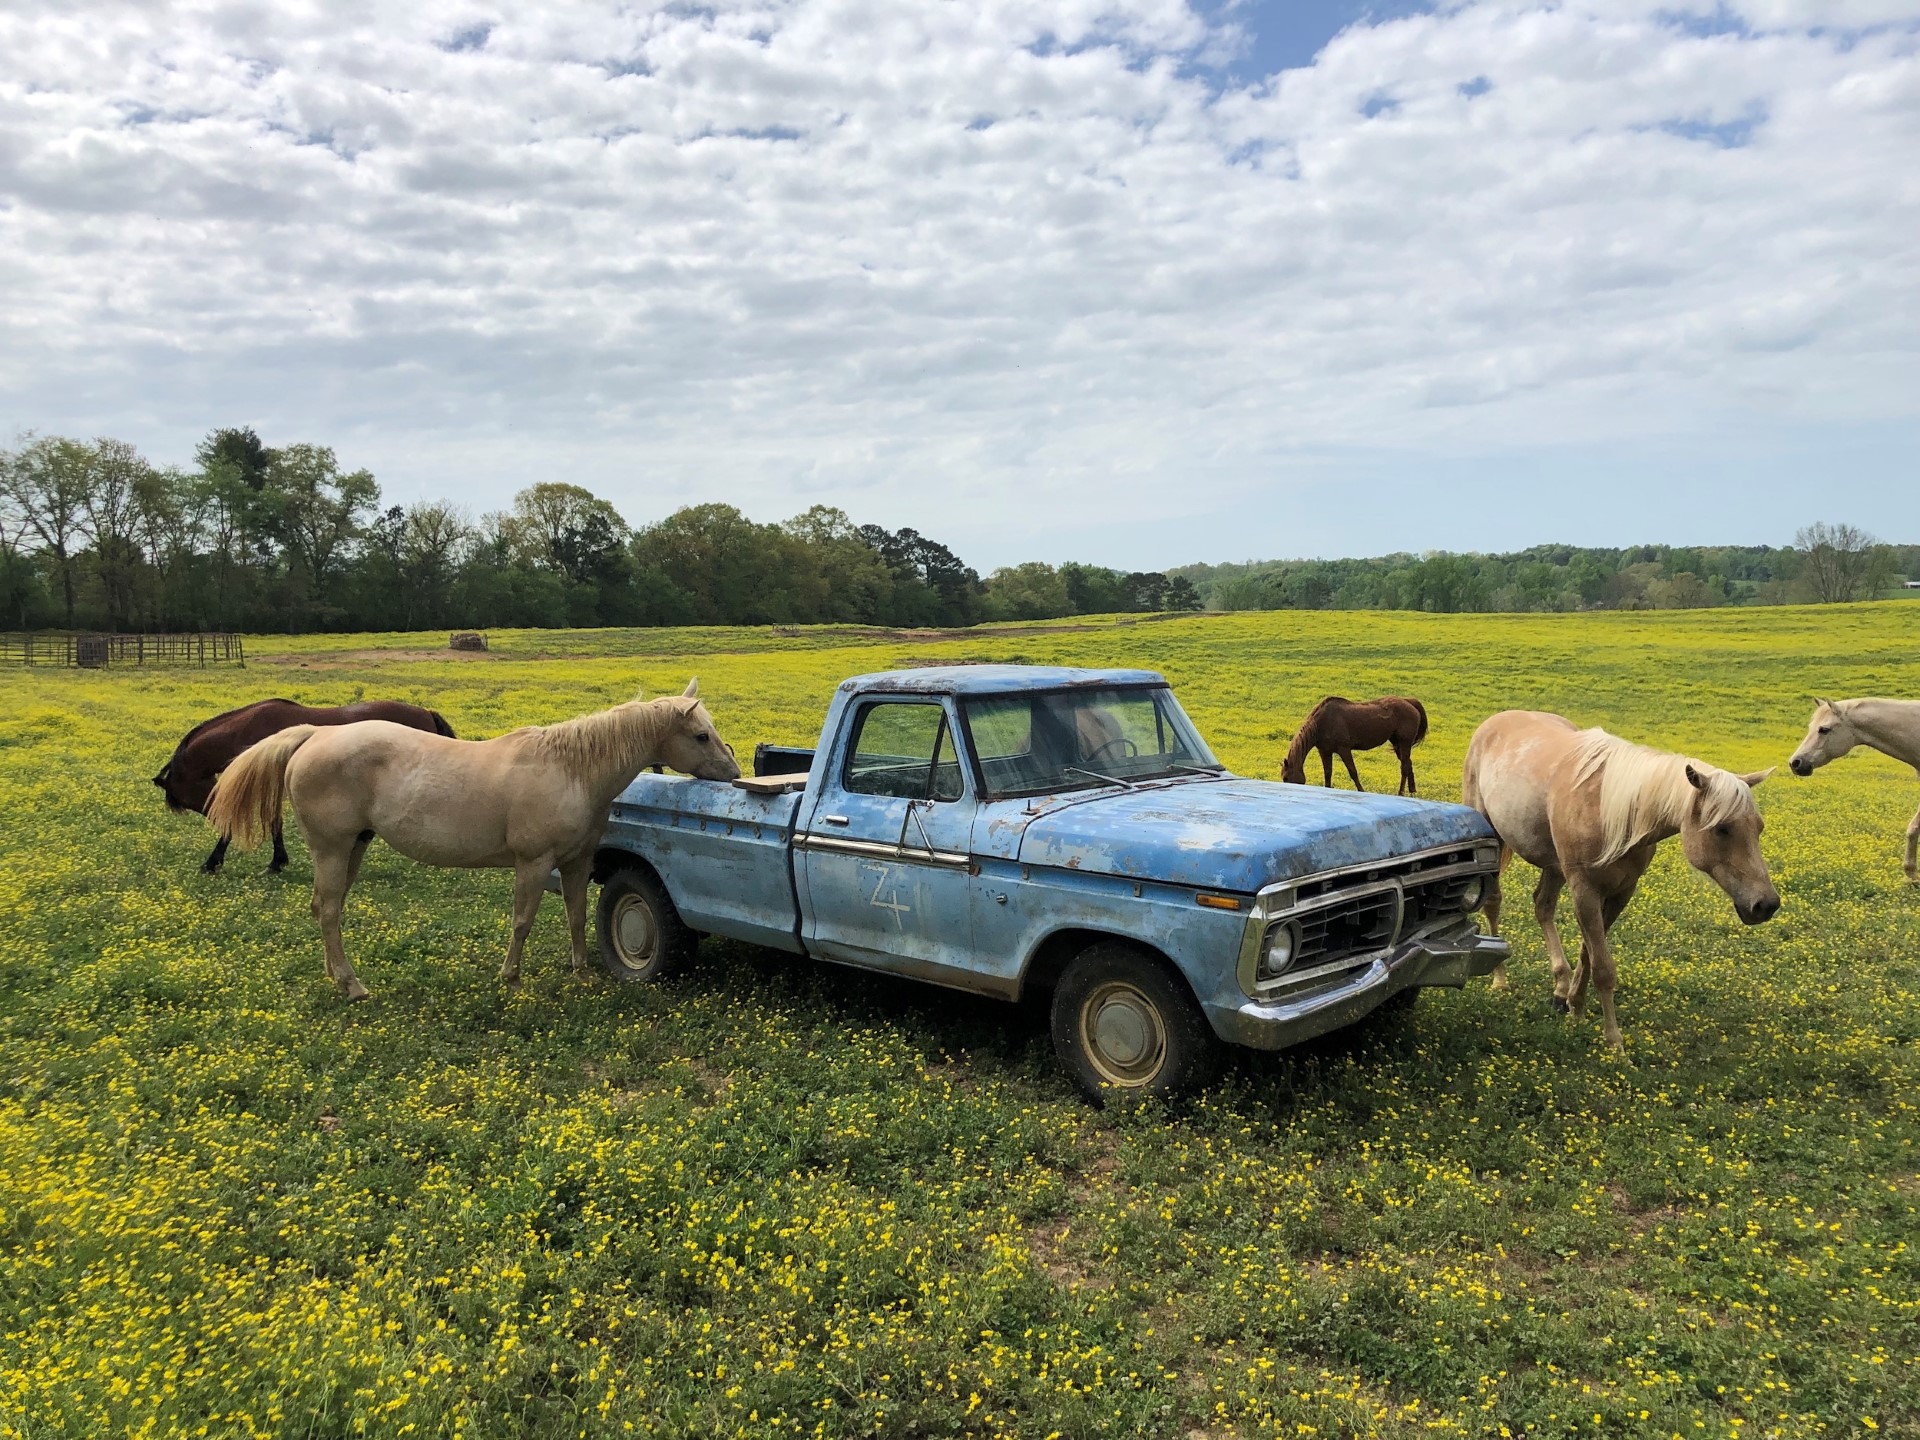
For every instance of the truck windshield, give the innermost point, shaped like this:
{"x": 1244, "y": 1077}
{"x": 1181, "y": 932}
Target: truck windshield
{"x": 1038, "y": 743}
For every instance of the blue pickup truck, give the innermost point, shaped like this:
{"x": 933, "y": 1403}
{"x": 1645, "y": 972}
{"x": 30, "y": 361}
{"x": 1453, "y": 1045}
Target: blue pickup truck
{"x": 1017, "y": 830}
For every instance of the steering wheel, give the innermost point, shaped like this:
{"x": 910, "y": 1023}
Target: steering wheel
{"x": 1099, "y": 751}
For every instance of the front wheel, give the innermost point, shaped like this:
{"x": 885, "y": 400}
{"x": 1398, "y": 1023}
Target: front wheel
{"x": 641, "y": 934}
{"x": 1125, "y": 1021}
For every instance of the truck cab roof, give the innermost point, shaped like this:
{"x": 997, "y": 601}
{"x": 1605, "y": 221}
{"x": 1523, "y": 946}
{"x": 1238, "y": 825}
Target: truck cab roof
{"x": 993, "y": 679}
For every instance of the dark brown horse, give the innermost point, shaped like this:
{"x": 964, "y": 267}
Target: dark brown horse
{"x": 1339, "y": 727}
{"x": 207, "y": 749}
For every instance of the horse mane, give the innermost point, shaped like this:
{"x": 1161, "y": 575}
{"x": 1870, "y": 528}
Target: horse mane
{"x": 1303, "y": 737}
{"x": 587, "y": 746}
{"x": 1645, "y": 791}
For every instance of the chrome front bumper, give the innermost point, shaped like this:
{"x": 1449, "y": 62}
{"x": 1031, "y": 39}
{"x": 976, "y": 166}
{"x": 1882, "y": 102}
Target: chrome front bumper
{"x": 1451, "y": 956}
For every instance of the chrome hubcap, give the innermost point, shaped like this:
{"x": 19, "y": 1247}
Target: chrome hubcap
{"x": 634, "y": 933}
{"x": 1122, "y": 1033}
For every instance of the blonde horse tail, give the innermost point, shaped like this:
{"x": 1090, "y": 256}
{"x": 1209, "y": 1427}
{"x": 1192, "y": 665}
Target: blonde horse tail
{"x": 245, "y": 806}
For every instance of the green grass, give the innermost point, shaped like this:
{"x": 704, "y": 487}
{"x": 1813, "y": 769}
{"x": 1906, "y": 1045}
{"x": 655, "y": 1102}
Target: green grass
{"x": 773, "y": 1198}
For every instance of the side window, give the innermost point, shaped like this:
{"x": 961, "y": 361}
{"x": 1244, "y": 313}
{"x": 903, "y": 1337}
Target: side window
{"x": 904, "y": 750}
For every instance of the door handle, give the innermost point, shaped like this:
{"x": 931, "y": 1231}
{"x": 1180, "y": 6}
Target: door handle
{"x": 835, "y": 819}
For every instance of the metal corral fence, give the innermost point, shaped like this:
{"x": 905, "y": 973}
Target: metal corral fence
{"x": 94, "y": 652}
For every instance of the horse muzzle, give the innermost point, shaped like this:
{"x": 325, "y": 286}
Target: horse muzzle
{"x": 1800, "y": 767}
{"x": 1759, "y": 911}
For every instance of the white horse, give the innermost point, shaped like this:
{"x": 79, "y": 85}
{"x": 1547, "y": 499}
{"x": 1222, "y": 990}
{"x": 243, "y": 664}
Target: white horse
{"x": 1890, "y": 726}
{"x": 533, "y": 801}
{"x": 1589, "y": 809}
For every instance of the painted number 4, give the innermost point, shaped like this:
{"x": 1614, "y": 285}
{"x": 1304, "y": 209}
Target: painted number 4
{"x": 892, "y": 902}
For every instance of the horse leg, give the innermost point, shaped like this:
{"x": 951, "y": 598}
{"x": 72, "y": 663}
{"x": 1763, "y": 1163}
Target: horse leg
{"x": 1596, "y": 956}
{"x": 1546, "y": 901}
{"x": 1326, "y": 765}
{"x": 1347, "y": 755}
{"x": 573, "y": 890}
{"x": 211, "y": 865}
{"x": 529, "y": 883}
{"x": 333, "y": 871}
{"x": 1913, "y": 844}
{"x": 1406, "y": 770}
{"x": 279, "y": 861}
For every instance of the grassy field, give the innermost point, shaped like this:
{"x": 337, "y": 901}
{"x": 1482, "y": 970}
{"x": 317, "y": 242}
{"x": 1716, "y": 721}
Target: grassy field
{"x": 775, "y": 1199}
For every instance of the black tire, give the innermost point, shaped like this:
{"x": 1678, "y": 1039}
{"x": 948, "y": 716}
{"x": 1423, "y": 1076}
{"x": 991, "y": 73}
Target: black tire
{"x": 1125, "y": 1022}
{"x": 640, "y": 934}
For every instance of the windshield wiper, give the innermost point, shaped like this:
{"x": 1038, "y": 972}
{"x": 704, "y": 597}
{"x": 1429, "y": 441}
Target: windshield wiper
{"x": 1096, "y": 775}
{"x": 1215, "y": 772}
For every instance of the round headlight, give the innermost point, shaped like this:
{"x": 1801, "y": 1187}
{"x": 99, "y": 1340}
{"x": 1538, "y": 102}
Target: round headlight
{"x": 1279, "y": 952}
{"x": 1474, "y": 893}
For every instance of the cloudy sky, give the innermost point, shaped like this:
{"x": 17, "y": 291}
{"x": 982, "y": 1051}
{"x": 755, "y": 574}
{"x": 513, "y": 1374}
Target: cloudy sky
{"x": 1131, "y": 281}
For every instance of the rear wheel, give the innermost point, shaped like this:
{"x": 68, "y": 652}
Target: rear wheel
{"x": 641, "y": 935}
{"x": 1124, "y": 1021}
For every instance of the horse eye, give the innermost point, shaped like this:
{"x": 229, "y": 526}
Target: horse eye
{"x": 704, "y": 738}
{"x": 1722, "y": 831}
{"x": 1824, "y": 729}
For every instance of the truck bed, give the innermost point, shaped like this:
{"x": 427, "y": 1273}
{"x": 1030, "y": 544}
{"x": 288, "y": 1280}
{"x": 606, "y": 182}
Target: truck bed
{"x": 724, "y": 852}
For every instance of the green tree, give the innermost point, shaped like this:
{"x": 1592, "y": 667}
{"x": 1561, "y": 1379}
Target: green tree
{"x": 1031, "y": 591}
{"x": 117, "y": 474}
{"x": 47, "y": 479}
{"x": 19, "y": 585}
{"x": 317, "y": 511}
{"x": 730, "y": 570}
{"x": 837, "y": 575}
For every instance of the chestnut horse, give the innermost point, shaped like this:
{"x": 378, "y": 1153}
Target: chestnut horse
{"x": 209, "y": 747}
{"x": 1337, "y": 726}
{"x": 534, "y": 801}
{"x": 1589, "y": 809}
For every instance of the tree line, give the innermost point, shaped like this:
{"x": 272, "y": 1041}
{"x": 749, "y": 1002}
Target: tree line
{"x": 258, "y": 538}
{"x": 1825, "y": 564}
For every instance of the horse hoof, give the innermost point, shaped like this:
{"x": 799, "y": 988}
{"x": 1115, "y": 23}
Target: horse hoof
{"x": 354, "y": 993}
{"x": 1559, "y": 1005}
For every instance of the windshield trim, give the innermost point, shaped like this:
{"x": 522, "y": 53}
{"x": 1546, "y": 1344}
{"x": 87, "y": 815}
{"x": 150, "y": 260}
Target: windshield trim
{"x": 1149, "y": 687}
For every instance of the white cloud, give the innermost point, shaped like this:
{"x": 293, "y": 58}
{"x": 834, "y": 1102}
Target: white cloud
{"x": 934, "y": 260}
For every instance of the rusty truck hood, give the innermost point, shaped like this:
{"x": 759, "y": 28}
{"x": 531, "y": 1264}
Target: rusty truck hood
{"x": 1231, "y": 834}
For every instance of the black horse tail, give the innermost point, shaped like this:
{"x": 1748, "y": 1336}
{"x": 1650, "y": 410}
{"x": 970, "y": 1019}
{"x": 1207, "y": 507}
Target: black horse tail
{"x": 1423, "y": 720}
{"x": 441, "y": 727}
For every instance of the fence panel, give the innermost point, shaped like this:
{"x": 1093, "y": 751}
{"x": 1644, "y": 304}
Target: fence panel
{"x": 199, "y": 649}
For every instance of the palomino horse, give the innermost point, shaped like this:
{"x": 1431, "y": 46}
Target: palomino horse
{"x": 1340, "y": 727}
{"x": 1890, "y": 726}
{"x": 207, "y": 749}
{"x": 534, "y": 800}
{"x": 1589, "y": 810}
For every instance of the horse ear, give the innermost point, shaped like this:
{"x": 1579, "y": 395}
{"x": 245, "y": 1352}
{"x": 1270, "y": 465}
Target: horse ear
{"x": 1759, "y": 775}
{"x": 1822, "y": 700}
{"x": 693, "y": 689}
{"x": 1695, "y": 779}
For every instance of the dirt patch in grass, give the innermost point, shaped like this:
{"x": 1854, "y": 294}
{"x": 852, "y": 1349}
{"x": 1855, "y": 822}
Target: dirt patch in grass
{"x": 361, "y": 659}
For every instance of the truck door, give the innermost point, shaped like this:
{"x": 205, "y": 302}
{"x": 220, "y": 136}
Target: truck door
{"x": 882, "y": 855}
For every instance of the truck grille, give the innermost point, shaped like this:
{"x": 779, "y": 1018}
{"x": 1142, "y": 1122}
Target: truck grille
{"x": 1365, "y": 923}
{"x": 1436, "y": 898}
{"x": 1343, "y": 921}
